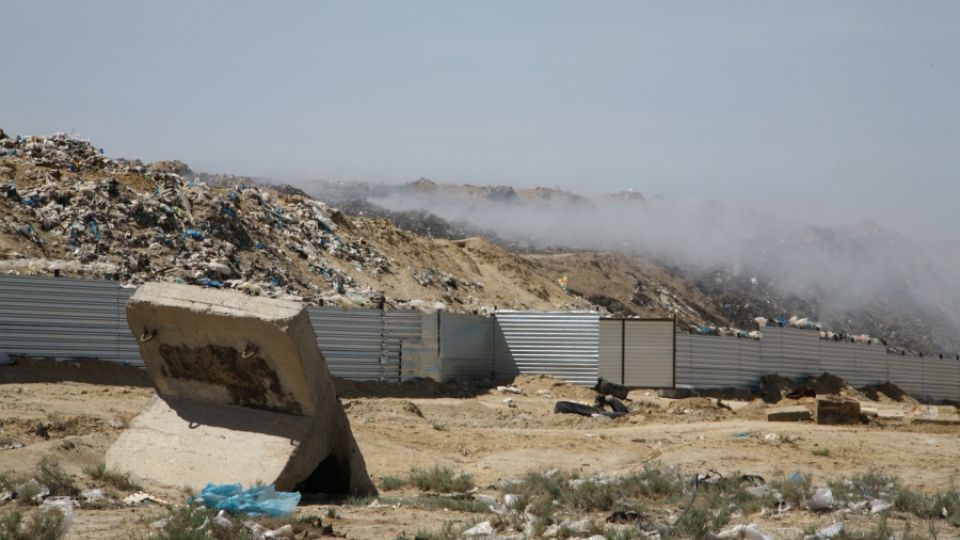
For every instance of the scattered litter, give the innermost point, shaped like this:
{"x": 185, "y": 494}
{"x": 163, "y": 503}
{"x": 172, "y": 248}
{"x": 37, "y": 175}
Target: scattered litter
{"x": 583, "y": 526}
{"x": 741, "y": 435}
{"x": 254, "y": 501}
{"x": 12, "y": 445}
{"x": 480, "y": 530}
{"x": 222, "y": 521}
{"x": 32, "y": 486}
{"x": 259, "y": 532}
{"x": 509, "y": 389}
{"x": 745, "y": 532}
{"x": 142, "y": 497}
{"x": 92, "y": 495}
{"x": 833, "y": 530}
{"x": 877, "y": 506}
{"x": 822, "y": 499}
{"x": 64, "y": 504}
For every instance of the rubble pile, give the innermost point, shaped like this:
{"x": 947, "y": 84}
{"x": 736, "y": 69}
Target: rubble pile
{"x": 65, "y": 197}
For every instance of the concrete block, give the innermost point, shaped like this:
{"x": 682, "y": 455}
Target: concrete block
{"x": 837, "y": 411}
{"x": 244, "y": 395}
{"x": 789, "y": 414}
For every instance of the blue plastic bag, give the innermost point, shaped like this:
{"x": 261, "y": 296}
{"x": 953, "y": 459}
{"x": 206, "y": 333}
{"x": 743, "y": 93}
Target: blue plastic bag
{"x": 256, "y": 501}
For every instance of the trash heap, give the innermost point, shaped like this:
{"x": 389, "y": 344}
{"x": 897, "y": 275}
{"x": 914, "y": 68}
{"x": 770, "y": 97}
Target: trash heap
{"x": 82, "y": 213}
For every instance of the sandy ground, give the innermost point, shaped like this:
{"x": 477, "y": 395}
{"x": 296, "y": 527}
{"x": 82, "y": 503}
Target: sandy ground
{"x": 481, "y": 434}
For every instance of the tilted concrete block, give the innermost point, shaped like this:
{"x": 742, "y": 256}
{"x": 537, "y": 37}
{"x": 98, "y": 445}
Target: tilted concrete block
{"x": 244, "y": 395}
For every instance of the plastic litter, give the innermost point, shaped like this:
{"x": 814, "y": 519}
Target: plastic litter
{"x": 746, "y": 532}
{"x": 255, "y": 501}
{"x": 481, "y": 530}
{"x": 829, "y": 532}
{"x": 822, "y": 499}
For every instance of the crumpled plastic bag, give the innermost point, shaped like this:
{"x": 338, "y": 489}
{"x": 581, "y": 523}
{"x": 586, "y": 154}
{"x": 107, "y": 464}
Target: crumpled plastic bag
{"x": 255, "y": 501}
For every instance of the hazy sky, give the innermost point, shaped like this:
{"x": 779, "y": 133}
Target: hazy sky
{"x": 829, "y": 112}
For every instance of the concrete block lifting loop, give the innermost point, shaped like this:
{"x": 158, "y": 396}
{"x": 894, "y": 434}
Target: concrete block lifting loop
{"x": 147, "y": 335}
{"x": 250, "y": 351}
{"x": 194, "y": 425}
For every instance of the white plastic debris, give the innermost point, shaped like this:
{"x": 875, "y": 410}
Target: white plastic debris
{"x": 829, "y": 532}
{"x": 744, "y": 532}
{"x": 221, "y": 520}
{"x": 509, "y": 389}
{"x": 481, "y": 530}
{"x": 92, "y": 495}
{"x": 878, "y": 505}
{"x": 142, "y": 497}
{"x": 582, "y": 526}
{"x": 64, "y": 505}
{"x": 822, "y": 499}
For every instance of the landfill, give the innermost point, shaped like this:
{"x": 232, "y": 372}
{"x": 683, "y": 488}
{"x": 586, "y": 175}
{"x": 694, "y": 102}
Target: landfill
{"x": 135, "y": 223}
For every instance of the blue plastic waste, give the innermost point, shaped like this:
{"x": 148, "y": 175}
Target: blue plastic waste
{"x": 207, "y": 282}
{"x": 257, "y": 500}
{"x": 193, "y": 233}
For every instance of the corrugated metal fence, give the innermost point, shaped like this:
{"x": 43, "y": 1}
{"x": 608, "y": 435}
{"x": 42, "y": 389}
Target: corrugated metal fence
{"x": 638, "y": 352}
{"x": 65, "y": 319}
{"x": 565, "y": 345}
{"x": 711, "y": 362}
{"x": 72, "y": 319}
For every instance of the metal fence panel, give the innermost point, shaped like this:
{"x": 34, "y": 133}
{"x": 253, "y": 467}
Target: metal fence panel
{"x": 907, "y": 373}
{"x": 351, "y": 342}
{"x": 839, "y": 358}
{"x": 421, "y": 358}
{"x": 799, "y": 352}
{"x": 466, "y": 347}
{"x": 65, "y": 319}
{"x": 710, "y": 362}
{"x": 562, "y": 344}
{"x": 398, "y": 327}
{"x": 685, "y": 360}
{"x": 871, "y": 364}
{"x": 648, "y": 355}
{"x": 611, "y": 350}
{"x": 941, "y": 376}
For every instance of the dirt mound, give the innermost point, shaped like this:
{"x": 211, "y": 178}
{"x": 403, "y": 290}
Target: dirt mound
{"x": 27, "y": 369}
{"x": 827, "y": 383}
{"x": 545, "y": 384}
{"x": 774, "y": 386}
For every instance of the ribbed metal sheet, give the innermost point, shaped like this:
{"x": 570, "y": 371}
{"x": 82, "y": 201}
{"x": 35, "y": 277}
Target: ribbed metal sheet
{"x": 648, "y": 353}
{"x": 941, "y": 376}
{"x": 64, "y": 318}
{"x": 839, "y": 358}
{"x": 799, "y": 352}
{"x": 714, "y": 362}
{"x": 751, "y": 363}
{"x": 611, "y": 350}
{"x": 907, "y": 373}
{"x": 422, "y": 358}
{"x": 398, "y": 327}
{"x": 562, "y": 344}
{"x": 351, "y": 342}
{"x": 466, "y": 347}
{"x": 871, "y": 363}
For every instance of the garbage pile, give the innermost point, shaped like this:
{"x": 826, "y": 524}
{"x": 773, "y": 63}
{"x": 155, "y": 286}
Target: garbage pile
{"x": 63, "y": 196}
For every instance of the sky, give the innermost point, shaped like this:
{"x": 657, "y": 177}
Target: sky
{"x": 820, "y": 111}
